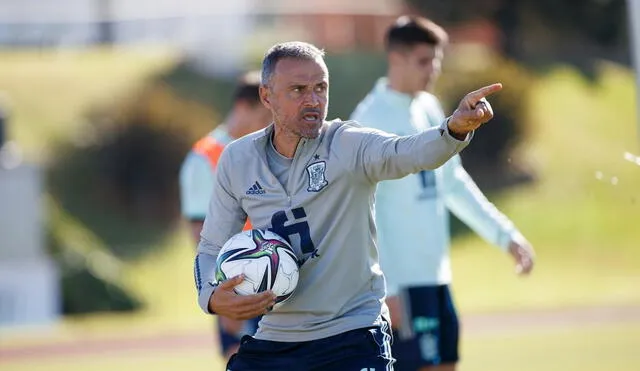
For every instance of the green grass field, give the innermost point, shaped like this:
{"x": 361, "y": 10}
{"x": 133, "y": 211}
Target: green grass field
{"x": 583, "y": 228}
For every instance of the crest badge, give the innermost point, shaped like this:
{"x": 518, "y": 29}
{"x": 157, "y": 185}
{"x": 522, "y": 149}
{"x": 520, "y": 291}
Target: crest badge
{"x": 317, "y": 180}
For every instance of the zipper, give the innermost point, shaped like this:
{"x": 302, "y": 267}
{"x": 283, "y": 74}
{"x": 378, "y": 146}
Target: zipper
{"x": 258, "y": 142}
{"x": 297, "y": 154}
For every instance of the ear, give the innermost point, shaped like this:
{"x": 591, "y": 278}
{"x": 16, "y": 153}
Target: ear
{"x": 394, "y": 57}
{"x": 265, "y": 96}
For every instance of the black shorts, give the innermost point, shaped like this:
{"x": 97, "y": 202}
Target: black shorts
{"x": 430, "y": 330}
{"x": 355, "y": 350}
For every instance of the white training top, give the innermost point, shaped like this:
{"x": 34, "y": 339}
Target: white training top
{"x": 411, "y": 213}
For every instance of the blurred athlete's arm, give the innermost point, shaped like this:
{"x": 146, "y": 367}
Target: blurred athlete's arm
{"x": 463, "y": 197}
{"x": 196, "y": 182}
{"x": 195, "y": 226}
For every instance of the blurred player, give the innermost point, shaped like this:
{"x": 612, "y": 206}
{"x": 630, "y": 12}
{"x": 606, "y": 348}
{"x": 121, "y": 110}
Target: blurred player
{"x": 198, "y": 173}
{"x": 411, "y": 213}
{"x": 317, "y": 180}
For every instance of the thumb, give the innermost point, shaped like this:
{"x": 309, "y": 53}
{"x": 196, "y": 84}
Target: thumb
{"x": 231, "y": 282}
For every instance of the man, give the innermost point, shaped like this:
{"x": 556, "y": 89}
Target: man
{"x": 413, "y": 234}
{"x": 319, "y": 179}
{"x": 197, "y": 176}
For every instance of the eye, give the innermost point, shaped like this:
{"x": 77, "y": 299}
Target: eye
{"x": 321, "y": 88}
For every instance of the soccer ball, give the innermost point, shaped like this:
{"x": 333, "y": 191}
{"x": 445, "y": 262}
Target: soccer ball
{"x": 266, "y": 260}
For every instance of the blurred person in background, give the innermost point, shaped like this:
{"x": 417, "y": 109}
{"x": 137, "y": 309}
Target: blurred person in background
{"x": 4, "y": 118}
{"x": 411, "y": 213}
{"x": 10, "y": 151}
{"x": 198, "y": 173}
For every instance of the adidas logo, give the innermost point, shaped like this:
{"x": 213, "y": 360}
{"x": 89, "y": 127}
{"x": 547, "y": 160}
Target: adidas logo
{"x": 256, "y": 189}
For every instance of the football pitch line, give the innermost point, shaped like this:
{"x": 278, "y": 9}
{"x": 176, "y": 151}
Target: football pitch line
{"x": 127, "y": 343}
{"x": 480, "y": 325}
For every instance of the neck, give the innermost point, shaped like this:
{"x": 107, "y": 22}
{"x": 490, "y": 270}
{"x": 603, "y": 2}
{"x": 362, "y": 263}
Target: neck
{"x": 285, "y": 142}
{"x": 234, "y": 127}
{"x": 395, "y": 83}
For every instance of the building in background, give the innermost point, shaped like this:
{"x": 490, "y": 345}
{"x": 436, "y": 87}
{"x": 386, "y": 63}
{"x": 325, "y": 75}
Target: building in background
{"x": 29, "y": 282}
{"x": 217, "y": 35}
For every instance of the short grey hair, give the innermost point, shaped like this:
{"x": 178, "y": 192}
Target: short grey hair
{"x": 291, "y": 49}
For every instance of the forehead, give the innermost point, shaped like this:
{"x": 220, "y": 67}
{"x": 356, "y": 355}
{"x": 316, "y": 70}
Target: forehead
{"x": 423, "y": 50}
{"x": 303, "y": 71}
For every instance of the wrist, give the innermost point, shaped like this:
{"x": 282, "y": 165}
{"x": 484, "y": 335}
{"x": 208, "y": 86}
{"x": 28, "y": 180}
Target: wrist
{"x": 205, "y": 297}
{"x": 457, "y": 134}
{"x": 211, "y": 302}
{"x": 517, "y": 238}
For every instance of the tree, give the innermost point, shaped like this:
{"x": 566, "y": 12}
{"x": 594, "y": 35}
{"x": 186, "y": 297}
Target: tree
{"x": 541, "y": 31}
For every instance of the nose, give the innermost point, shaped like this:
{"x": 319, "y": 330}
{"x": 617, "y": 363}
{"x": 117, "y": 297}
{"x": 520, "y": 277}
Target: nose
{"x": 312, "y": 99}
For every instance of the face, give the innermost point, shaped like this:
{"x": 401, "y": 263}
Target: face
{"x": 297, "y": 96}
{"x": 420, "y": 66}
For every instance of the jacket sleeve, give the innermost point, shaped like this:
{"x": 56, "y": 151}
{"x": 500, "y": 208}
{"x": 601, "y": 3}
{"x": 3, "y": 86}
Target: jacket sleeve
{"x": 224, "y": 219}
{"x": 377, "y": 155}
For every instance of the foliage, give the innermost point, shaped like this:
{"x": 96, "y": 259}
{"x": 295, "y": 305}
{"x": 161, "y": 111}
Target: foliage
{"x": 490, "y": 159}
{"x": 544, "y": 32}
{"x": 352, "y": 75}
{"x": 89, "y": 273}
{"x": 119, "y": 176}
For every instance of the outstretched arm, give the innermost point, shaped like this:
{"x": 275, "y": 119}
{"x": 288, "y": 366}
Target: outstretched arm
{"x": 463, "y": 197}
{"x": 381, "y": 156}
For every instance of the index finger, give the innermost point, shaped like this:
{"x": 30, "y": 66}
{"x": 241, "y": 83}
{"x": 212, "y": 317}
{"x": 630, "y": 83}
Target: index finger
{"x": 256, "y": 298}
{"x": 476, "y": 95}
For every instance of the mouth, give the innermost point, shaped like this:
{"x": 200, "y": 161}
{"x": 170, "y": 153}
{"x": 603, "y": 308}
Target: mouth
{"x": 311, "y": 117}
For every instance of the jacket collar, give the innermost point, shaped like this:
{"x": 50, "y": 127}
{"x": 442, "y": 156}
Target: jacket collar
{"x": 262, "y": 138}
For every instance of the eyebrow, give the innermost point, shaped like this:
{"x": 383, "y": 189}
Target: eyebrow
{"x": 304, "y": 85}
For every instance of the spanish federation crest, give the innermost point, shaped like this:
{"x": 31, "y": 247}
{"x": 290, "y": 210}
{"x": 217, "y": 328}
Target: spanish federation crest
{"x": 317, "y": 180}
